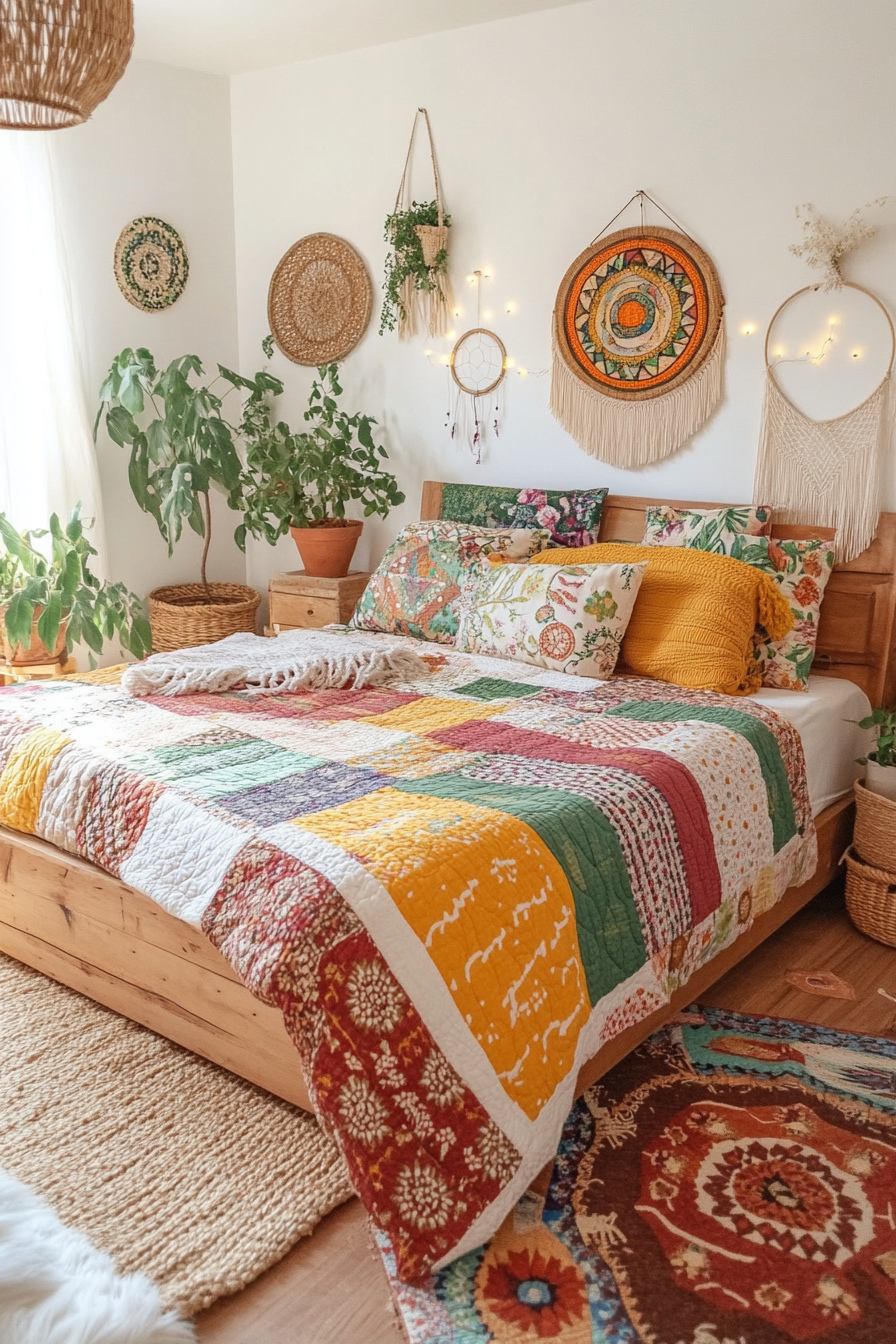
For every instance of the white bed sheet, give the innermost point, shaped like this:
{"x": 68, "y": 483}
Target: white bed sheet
{"x": 830, "y": 742}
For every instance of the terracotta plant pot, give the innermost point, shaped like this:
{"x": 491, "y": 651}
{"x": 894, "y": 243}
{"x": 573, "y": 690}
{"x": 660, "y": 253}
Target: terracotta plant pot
{"x": 327, "y": 549}
{"x": 37, "y": 652}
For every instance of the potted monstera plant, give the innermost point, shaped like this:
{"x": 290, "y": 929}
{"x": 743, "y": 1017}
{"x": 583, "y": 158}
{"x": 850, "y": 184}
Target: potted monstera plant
{"x": 182, "y": 447}
{"x": 302, "y": 482}
{"x": 50, "y": 600}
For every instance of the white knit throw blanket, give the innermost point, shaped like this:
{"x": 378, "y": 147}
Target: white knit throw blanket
{"x": 296, "y": 660}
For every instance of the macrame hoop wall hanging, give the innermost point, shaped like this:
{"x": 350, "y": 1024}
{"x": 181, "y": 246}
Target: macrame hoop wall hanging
{"x": 638, "y": 343}
{"x": 477, "y": 367}
{"x": 826, "y": 472}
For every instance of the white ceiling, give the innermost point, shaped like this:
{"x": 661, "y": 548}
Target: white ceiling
{"x": 228, "y": 36}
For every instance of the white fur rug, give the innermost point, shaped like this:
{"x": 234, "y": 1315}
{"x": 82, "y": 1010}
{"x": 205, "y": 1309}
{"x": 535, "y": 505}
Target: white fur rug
{"x": 296, "y": 660}
{"x": 57, "y": 1288}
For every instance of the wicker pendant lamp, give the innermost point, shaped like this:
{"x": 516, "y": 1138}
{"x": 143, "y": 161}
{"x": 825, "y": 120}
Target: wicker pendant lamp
{"x": 60, "y": 58}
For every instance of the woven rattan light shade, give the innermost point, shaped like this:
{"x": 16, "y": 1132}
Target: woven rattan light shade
{"x": 60, "y": 58}
{"x": 320, "y": 300}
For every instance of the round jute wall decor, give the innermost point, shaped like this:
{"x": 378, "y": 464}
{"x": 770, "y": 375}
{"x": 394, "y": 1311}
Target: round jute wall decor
{"x": 151, "y": 264}
{"x": 320, "y": 300}
{"x": 638, "y": 312}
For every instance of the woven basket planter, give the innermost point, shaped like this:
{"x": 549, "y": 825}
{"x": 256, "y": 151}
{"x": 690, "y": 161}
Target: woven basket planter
{"x": 433, "y": 239}
{"x": 874, "y": 836}
{"x": 181, "y": 619}
{"x": 871, "y": 899}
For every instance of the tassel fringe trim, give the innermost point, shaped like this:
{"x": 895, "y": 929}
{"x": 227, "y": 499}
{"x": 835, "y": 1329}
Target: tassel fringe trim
{"x": 636, "y": 433}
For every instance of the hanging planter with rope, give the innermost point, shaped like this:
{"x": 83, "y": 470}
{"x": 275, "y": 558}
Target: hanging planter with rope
{"x": 59, "y": 59}
{"x": 418, "y": 290}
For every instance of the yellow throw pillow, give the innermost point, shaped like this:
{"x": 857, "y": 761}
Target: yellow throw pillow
{"x": 695, "y": 616}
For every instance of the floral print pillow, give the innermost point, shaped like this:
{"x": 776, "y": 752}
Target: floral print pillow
{"x": 571, "y": 516}
{"x": 705, "y": 529}
{"x": 418, "y": 583}
{"x": 569, "y": 618}
{"x": 802, "y": 568}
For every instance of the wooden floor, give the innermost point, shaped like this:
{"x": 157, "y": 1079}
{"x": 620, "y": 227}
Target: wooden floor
{"x": 332, "y": 1289}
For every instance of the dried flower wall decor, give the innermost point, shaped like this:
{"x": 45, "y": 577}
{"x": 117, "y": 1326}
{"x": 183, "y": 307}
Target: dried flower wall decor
{"x": 825, "y": 244}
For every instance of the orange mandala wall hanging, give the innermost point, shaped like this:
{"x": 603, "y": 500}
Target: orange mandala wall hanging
{"x": 638, "y": 345}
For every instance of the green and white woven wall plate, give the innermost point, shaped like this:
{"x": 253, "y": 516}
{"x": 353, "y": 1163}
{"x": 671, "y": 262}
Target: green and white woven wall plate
{"x": 151, "y": 264}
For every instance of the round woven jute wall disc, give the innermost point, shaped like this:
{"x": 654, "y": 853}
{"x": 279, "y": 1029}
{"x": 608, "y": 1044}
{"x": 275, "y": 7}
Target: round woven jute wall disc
{"x": 638, "y": 312}
{"x": 320, "y": 300}
{"x": 151, "y": 264}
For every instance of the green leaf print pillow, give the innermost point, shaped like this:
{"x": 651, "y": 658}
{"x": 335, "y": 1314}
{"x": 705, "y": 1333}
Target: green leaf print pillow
{"x": 802, "y": 568}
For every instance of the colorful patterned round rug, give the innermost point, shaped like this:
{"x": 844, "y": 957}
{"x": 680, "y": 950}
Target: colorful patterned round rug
{"x": 733, "y": 1181}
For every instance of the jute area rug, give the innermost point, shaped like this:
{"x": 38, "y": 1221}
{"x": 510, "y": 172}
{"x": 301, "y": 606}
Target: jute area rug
{"x": 171, "y": 1165}
{"x": 733, "y": 1181}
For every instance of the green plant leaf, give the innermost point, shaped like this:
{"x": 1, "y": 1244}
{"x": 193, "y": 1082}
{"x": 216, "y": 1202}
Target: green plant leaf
{"x": 49, "y": 621}
{"x": 18, "y": 620}
{"x": 70, "y": 577}
{"x": 122, "y": 426}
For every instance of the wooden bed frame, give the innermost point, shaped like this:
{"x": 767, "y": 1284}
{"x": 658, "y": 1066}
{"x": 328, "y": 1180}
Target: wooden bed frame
{"x": 92, "y": 932}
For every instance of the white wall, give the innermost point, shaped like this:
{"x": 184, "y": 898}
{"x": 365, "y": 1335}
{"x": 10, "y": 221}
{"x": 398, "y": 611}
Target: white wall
{"x": 729, "y": 114}
{"x": 159, "y": 145}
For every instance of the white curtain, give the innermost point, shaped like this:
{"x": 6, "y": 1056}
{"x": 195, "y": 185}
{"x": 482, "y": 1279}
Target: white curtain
{"x": 47, "y": 457}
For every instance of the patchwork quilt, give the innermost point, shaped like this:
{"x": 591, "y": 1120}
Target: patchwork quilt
{"x": 455, "y": 889}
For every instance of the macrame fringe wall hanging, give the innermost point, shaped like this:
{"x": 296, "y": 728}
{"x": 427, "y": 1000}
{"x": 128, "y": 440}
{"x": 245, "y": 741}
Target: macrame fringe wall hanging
{"x": 417, "y": 284}
{"x": 827, "y": 472}
{"x": 638, "y": 343}
{"x": 477, "y": 367}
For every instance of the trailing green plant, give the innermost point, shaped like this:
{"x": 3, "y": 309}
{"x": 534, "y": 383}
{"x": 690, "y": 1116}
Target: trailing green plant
{"x": 307, "y": 478}
{"x": 181, "y": 443}
{"x": 405, "y": 263}
{"x": 884, "y": 722}
{"x": 62, "y": 587}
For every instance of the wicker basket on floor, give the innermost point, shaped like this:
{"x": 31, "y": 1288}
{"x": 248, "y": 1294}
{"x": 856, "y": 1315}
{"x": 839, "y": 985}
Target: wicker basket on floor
{"x": 181, "y": 618}
{"x": 874, "y": 837}
{"x": 871, "y": 899}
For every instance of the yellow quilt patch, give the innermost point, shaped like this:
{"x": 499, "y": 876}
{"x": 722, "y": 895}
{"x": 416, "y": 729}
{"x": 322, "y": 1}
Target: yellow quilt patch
{"x": 430, "y": 714}
{"x": 494, "y": 910}
{"x": 22, "y": 782}
{"x": 414, "y": 758}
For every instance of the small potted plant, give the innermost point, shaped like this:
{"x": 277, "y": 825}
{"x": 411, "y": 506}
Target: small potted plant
{"x": 880, "y": 763}
{"x": 182, "y": 447}
{"x": 50, "y": 602}
{"x": 301, "y": 483}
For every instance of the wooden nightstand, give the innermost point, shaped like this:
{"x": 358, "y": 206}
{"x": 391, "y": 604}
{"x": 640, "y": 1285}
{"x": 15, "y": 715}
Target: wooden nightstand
{"x": 52, "y": 671}
{"x": 299, "y": 602}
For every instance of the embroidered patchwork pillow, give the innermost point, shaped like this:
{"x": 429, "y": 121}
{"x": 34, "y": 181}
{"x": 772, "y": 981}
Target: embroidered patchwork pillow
{"x": 705, "y": 529}
{"x": 802, "y": 569}
{"x": 569, "y": 618}
{"x": 419, "y": 580}
{"x": 571, "y": 516}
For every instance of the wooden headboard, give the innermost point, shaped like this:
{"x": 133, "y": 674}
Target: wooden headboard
{"x": 857, "y": 630}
